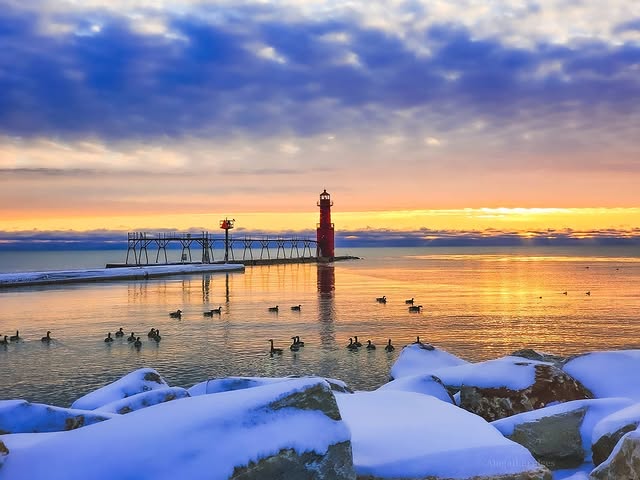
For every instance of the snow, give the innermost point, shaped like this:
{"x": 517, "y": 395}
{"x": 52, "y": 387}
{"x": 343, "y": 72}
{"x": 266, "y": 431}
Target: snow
{"x": 514, "y": 373}
{"x": 138, "y": 381}
{"x": 617, "y": 420}
{"x": 608, "y": 374}
{"x": 424, "y": 384}
{"x": 143, "y": 400}
{"x": 406, "y": 434}
{"x": 596, "y": 410}
{"x": 414, "y": 360}
{"x": 635, "y": 436}
{"x": 67, "y": 276}
{"x": 198, "y": 437}
{"x": 580, "y": 473}
{"x": 20, "y": 416}
{"x": 217, "y": 385}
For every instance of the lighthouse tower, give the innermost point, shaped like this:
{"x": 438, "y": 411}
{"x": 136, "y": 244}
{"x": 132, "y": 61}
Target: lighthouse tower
{"x": 325, "y": 228}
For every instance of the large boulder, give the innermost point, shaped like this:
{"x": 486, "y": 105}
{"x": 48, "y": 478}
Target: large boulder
{"x": 624, "y": 461}
{"x": 20, "y": 416}
{"x": 559, "y": 436}
{"x": 424, "y": 384}
{"x": 248, "y": 434}
{"x": 138, "y": 381}
{"x": 144, "y": 400}
{"x": 607, "y": 374}
{"x": 227, "y": 384}
{"x": 531, "y": 354}
{"x": 4, "y": 451}
{"x": 504, "y": 387}
{"x": 608, "y": 431}
{"x": 406, "y": 435}
{"x": 415, "y": 359}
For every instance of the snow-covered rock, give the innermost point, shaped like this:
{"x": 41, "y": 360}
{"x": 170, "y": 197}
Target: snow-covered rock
{"x": 608, "y": 431}
{"x": 227, "y": 384}
{"x": 559, "y": 436}
{"x": 20, "y": 416}
{"x": 608, "y": 374}
{"x": 416, "y": 360}
{"x": 425, "y": 384}
{"x": 624, "y": 461}
{"x": 285, "y": 430}
{"x": 138, "y": 381}
{"x": 531, "y": 354}
{"x": 398, "y": 434}
{"x": 507, "y": 386}
{"x": 4, "y": 451}
{"x": 143, "y": 400}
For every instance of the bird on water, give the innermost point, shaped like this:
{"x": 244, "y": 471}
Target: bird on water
{"x": 274, "y": 351}
{"x": 137, "y": 343}
{"x": 409, "y": 302}
{"x": 152, "y": 333}
{"x": 273, "y": 309}
{"x": 296, "y": 308}
{"x": 370, "y": 346}
{"x": 120, "y": 332}
{"x": 389, "y": 347}
{"x": 16, "y": 337}
{"x": 109, "y": 338}
{"x": 415, "y": 308}
{"x": 356, "y": 342}
{"x": 352, "y": 346}
{"x": 131, "y": 338}
{"x": 4, "y": 341}
{"x": 176, "y": 314}
{"x": 382, "y": 299}
{"x": 297, "y": 341}
{"x": 47, "y": 338}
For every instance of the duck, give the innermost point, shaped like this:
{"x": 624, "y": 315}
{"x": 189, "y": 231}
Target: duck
{"x": 273, "y": 309}
{"x": 297, "y": 341}
{"x": 120, "y": 332}
{"x": 152, "y": 333}
{"x": 356, "y": 342}
{"x": 351, "y": 346}
{"x": 274, "y": 351}
{"x": 409, "y": 302}
{"x": 415, "y": 308}
{"x": 294, "y": 347}
{"x": 418, "y": 341}
{"x": 208, "y": 313}
{"x": 131, "y": 338}
{"x": 564, "y": 293}
{"x": 4, "y": 341}
{"x": 382, "y": 299}
{"x": 389, "y": 347}
{"x": 588, "y": 293}
{"x": 157, "y": 336}
{"x": 296, "y": 308}
{"x": 109, "y": 338}
{"x": 47, "y": 338}
{"x": 16, "y": 337}
{"x": 137, "y": 343}
{"x": 370, "y": 346}
{"x": 176, "y": 314}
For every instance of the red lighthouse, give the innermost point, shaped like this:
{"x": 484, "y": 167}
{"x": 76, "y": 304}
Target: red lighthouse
{"x": 325, "y": 228}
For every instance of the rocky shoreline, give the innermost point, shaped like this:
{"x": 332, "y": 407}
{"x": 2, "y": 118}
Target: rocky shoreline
{"x": 526, "y": 416}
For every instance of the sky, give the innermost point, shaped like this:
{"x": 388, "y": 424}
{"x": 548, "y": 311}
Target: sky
{"x": 424, "y": 116}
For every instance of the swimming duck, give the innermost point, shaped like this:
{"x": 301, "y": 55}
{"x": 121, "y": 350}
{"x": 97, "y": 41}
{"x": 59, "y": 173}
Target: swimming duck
{"x": 588, "y": 293}
{"x": 152, "y": 333}
{"x": 415, "y": 308}
{"x": 109, "y": 338}
{"x": 273, "y": 309}
{"x": 370, "y": 346}
{"x": 409, "y": 302}
{"x": 564, "y": 293}
{"x": 382, "y": 299}
{"x": 47, "y": 338}
{"x": 137, "y": 343}
{"x": 356, "y": 342}
{"x": 176, "y": 314}
{"x": 16, "y": 337}
{"x": 217, "y": 310}
{"x": 208, "y": 313}
{"x": 297, "y": 341}
{"x": 4, "y": 341}
{"x": 294, "y": 347}
{"x": 296, "y": 308}
{"x": 131, "y": 338}
{"x": 276, "y": 351}
{"x": 389, "y": 347}
{"x": 120, "y": 332}
{"x": 352, "y": 346}
{"x": 157, "y": 336}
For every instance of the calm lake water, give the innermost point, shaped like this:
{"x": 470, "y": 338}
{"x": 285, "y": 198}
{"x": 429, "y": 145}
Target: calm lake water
{"x": 479, "y": 303}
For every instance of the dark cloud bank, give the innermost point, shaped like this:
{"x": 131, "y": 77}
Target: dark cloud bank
{"x": 119, "y": 84}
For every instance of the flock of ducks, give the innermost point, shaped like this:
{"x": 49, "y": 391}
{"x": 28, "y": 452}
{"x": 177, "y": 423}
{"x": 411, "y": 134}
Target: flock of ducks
{"x": 353, "y": 345}
{"x": 17, "y": 338}
{"x": 410, "y": 302}
{"x": 154, "y": 334}
{"x": 218, "y": 311}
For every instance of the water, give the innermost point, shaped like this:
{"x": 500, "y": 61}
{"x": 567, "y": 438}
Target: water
{"x": 478, "y": 304}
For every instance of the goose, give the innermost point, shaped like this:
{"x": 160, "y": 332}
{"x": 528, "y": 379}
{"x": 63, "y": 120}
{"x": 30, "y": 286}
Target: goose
{"x": 409, "y": 302}
{"x": 296, "y": 308}
{"x": 120, "y": 333}
{"x": 47, "y": 338}
{"x": 276, "y": 351}
{"x": 351, "y": 346}
{"x": 176, "y": 314}
{"x": 208, "y": 314}
{"x": 131, "y": 338}
{"x": 415, "y": 308}
{"x": 109, "y": 338}
{"x": 294, "y": 347}
{"x": 297, "y": 341}
{"x": 382, "y": 299}
{"x": 370, "y": 346}
{"x": 588, "y": 293}
{"x": 418, "y": 341}
{"x": 157, "y": 336}
{"x": 137, "y": 343}
{"x": 16, "y": 337}
{"x": 356, "y": 342}
{"x": 564, "y": 293}
{"x": 152, "y": 333}
{"x": 389, "y": 347}
{"x": 4, "y": 341}
{"x": 273, "y": 309}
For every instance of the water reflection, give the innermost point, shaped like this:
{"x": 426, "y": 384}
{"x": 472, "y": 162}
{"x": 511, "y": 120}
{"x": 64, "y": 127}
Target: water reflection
{"x": 326, "y": 281}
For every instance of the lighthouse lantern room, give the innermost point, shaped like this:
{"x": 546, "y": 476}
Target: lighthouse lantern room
{"x": 325, "y": 230}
